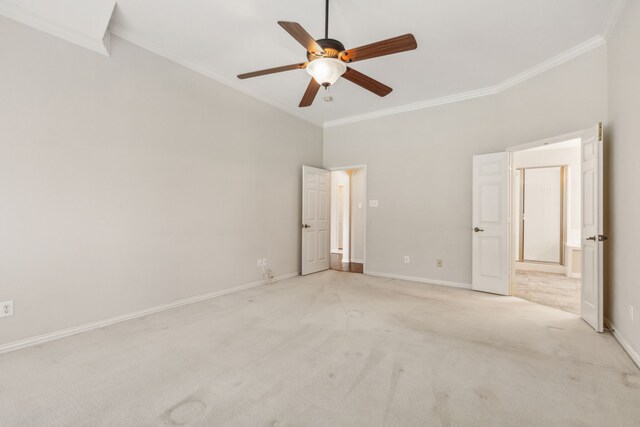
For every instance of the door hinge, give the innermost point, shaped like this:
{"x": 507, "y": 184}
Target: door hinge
{"x": 599, "y": 131}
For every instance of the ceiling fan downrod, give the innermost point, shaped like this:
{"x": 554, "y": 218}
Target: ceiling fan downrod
{"x": 326, "y": 20}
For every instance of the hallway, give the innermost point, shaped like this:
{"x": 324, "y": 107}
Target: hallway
{"x": 349, "y": 267}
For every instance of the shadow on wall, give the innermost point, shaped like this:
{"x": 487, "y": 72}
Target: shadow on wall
{"x": 609, "y": 200}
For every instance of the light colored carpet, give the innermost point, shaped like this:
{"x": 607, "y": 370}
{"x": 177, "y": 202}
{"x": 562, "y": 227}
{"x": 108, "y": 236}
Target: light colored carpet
{"x": 554, "y": 290}
{"x": 330, "y": 349}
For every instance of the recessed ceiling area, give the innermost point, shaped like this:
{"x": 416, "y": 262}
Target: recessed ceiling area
{"x": 462, "y": 45}
{"x": 465, "y": 48}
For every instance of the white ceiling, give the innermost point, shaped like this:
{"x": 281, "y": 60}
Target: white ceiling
{"x": 83, "y": 22}
{"x": 463, "y": 45}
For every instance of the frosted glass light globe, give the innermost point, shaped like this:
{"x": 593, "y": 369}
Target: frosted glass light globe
{"x": 326, "y": 71}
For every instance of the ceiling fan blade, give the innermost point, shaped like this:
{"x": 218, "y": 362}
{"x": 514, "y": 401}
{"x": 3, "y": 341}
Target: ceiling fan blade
{"x": 272, "y": 70}
{"x": 366, "y": 82}
{"x": 301, "y": 35}
{"x": 381, "y": 48}
{"x": 310, "y": 93}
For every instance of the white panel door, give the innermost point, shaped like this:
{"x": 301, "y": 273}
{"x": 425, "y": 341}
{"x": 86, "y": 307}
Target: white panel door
{"x": 490, "y": 271}
{"x": 592, "y": 237}
{"x": 316, "y": 187}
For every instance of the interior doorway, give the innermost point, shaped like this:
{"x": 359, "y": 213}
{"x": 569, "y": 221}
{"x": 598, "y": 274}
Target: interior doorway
{"x": 348, "y": 193}
{"x": 546, "y": 226}
{"x": 493, "y": 231}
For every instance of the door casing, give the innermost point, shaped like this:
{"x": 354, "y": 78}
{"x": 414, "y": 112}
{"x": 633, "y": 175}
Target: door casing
{"x": 364, "y": 237}
{"x": 560, "y": 138}
{"x": 511, "y": 150}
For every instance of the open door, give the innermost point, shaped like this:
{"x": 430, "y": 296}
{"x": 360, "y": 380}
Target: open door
{"x": 592, "y": 230}
{"x": 490, "y": 271}
{"x": 315, "y": 219}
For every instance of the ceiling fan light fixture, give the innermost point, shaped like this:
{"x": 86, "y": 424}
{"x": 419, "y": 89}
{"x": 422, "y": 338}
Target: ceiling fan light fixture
{"x": 326, "y": 71}
{"x": 327, "y": 58}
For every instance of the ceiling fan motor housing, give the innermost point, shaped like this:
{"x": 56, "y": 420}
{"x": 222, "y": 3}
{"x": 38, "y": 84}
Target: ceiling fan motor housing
{"x": 331, "y": 47}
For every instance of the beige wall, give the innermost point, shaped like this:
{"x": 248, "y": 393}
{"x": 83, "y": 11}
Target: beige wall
{"x": 622, "y": 173}
{"x": 128, "y": 182}
{"x": 419, "y": 163}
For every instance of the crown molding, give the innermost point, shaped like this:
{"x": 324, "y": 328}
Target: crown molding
{"x": 463, "y": 96}
{"x": 102, "y": 46}
{"x": 15, "y": 12}
{"x": 614, "y": 16}
{"x": 198, "y": 68}
{"x": 547, "y": 65}
{"x": 557, "y": 60}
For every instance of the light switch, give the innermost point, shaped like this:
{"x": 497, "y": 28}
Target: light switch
{"x": 373, "y": 203}
{"x": 360, "y": 205}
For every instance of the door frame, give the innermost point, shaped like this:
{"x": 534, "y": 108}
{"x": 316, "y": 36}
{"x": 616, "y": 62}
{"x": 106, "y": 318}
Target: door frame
{"x": 364, "y": 234}
{"x": 563, "y": 212}
{"x": 539, "y": 143}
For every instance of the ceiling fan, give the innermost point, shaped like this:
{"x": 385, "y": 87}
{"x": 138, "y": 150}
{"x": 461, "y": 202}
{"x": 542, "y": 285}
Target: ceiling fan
{"x": 327, "y": 59}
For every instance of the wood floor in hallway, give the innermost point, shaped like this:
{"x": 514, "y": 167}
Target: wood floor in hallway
{"x": 330, "y": 349}
{"x": 350, "y": 267}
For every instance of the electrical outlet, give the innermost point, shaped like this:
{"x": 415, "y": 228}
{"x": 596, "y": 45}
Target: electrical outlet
{"x": 439, "y": 263}
{"x": 264, "y": 262}
{"x": 6, "y": 308}
{"x": 406, "y": 259}
{"x": 631, "y": 312}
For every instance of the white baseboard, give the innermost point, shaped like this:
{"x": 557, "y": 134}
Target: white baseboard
{"x": 420, "y": 279}
{"x": 39, "y": 339}
{"x": 623, "y": 342}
